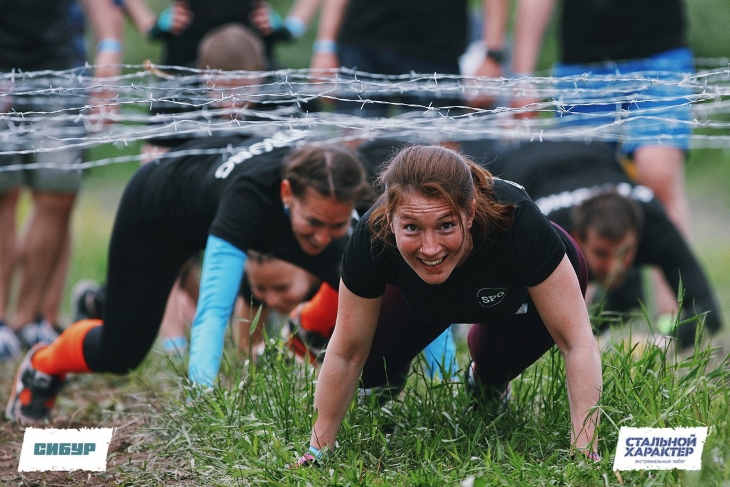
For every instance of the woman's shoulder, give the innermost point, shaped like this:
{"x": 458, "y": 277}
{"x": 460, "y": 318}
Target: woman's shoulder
{"x": 507, "y": 191}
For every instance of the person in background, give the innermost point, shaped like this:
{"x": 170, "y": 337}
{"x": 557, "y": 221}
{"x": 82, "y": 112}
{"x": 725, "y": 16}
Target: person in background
{"x": 268, "y": 21}
{"x": 613, "y": 38}
{"x": 620, "y": 227}
{"x": 38, "y": 35}
{"x": 448, "y": 243}
{"x": 395, "y": 37}
{"x": 230, "y": 47}
{"x": 239, "y": 194}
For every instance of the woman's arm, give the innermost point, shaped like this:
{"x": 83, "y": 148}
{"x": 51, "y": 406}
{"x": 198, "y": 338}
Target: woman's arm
{"x": 331, "y": 14}
{"x": 347, "y": 351}
{"x": 561, "y": 306}
{"x": 219, "y": 282}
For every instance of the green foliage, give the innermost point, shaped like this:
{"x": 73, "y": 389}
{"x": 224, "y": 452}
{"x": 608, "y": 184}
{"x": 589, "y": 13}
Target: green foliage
{"x": 246, "y": 431}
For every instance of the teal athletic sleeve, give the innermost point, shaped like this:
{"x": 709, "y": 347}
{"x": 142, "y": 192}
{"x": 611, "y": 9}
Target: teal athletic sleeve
{"x": 440, "y": 356}
{"x": 219, "y": 282}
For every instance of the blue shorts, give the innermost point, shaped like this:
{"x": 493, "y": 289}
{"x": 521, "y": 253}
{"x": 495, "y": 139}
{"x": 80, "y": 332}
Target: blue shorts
{"x": 636, "y": 102}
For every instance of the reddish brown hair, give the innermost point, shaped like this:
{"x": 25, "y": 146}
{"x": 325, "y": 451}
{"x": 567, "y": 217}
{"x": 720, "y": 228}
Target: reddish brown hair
{"x": 437, "y": 172}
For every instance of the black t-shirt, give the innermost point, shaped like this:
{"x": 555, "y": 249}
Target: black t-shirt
{"x": 491, "y": 285}
{"x": 235, "y": 197}
{"x": 182, "y": 49}
{"x": 594, "y": 31}
{"x": 561, "y": 175}
{"x": 35, "y": 35}
{"x": 428, "y": 29}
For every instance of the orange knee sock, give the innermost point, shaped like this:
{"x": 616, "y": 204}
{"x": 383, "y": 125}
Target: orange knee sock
{"x": 320, "y": 313}
{"x": 66, "y": 353}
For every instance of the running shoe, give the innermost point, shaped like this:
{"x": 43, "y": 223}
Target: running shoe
{"x": 9, "y": 343}
{"x": 39, "y": 331}
{"x": 34, "y": 393}
{"x": 87, "y": 300}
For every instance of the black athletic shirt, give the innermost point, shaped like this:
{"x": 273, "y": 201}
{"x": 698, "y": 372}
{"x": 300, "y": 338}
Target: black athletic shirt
{"x": 428, "y": 29}
{"x": 594, "y": 31}
{"x": 491, "y": 285}
{"x": 234, "y": 197}
{"x": 182, "y": 49}
{"x": 561, "y": 175}
{"x": 35, "y": 35}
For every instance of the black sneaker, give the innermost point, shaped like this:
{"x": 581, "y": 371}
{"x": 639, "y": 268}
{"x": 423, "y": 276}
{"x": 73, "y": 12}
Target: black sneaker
{"x": 39, "y": 331}
{"x": 87, "y": 301}
{"x": 34, "y": 392}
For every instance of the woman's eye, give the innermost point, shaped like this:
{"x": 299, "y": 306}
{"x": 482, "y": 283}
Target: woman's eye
{"x": 447, "y": 226}
{"x": 410, "y": 228}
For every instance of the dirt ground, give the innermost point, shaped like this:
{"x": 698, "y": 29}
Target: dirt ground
{"x": 90, "y": 402}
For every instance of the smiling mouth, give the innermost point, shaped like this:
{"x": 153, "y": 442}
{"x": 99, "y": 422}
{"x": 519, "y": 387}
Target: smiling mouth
{"x": 432, "y": 263}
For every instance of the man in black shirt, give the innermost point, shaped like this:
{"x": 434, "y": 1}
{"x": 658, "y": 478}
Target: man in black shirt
{"x": 580, "y": 187}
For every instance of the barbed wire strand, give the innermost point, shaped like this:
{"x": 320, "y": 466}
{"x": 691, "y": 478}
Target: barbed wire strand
{"x": 52, "y": 111}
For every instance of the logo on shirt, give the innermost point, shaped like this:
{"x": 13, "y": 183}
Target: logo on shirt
{"x": 569, "y": 199}
{"x": 279, "y": 139}
{"x": 491, "y": 296}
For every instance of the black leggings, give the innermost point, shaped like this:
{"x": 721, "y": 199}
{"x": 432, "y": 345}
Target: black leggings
{"x": 501, "y": 350}
{"x": 145, "y": 257}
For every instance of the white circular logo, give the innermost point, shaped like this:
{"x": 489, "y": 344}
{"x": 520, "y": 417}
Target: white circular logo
{"x": 491, "y": 296}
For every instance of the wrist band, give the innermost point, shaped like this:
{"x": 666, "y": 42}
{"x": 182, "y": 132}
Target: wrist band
{"x": 315, "y": 451}
{"x": 295, "y": 25}
{"x": 109, "y": 45}
{"x": 325, "y": 46}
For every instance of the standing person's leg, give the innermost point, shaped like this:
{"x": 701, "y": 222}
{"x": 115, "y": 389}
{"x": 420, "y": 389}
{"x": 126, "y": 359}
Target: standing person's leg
{"x": 11, "y": 181}
{"x": 9, "y": 343}
{"x": 659, "y": 129}
{"x": 46, "y": 233}
{"x": 661, "y": 169}
{"x": 39, "y": 252}
{"x": 51, "y": 304}
{"x": 8, "y": 207}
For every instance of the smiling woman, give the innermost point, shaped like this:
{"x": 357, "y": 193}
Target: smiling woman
{"x": 172, "y": 210}
{"x": 448, "y": 243}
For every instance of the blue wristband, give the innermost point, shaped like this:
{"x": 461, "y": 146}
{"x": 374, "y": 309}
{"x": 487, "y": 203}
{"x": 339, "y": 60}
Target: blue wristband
{"x": 324, "y": 46}
{"x": 164, "y": 20}
{"x": 109, "y": 45}
{"x": 295, "y": 25}
{"x": 314, "y": 451}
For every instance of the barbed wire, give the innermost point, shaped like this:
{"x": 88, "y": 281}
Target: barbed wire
{"x": 52, "y": 111}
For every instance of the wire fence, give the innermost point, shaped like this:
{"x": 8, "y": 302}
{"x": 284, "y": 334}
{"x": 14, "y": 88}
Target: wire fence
{"x": 52, "y": 111}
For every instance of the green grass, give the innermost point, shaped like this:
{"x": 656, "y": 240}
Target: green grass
{"x": 246, "y": 432}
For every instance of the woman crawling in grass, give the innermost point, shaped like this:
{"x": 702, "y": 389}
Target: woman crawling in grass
{"x": 447, "y": 243}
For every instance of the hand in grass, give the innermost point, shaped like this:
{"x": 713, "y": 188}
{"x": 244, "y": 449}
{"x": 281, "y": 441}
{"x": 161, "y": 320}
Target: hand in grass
{"x": 310, "y": 459}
